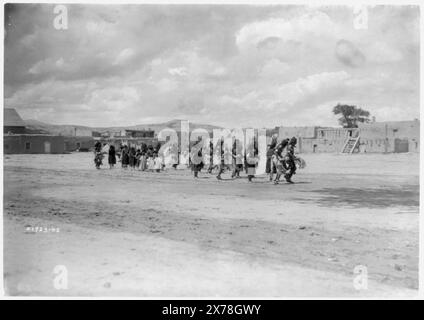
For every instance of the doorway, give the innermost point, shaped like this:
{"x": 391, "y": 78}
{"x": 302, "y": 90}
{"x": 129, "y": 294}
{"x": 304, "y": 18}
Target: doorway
{"x": 401, "y": 145}
{"x": 47, "y": 147}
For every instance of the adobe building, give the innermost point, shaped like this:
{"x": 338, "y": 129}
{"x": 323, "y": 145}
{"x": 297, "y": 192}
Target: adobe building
{"x": 16, "y": 140}
{"x": 78, "y": 143}
{"x": 393, "y": 136}
{"x": 130, "y": 142}
{"x": 80, "y": 139}
{"x": 131, "y": 138}
{"x": 140, "y": 133}
{"x": 375, "y": 137}
{"x": 33, "y": 143}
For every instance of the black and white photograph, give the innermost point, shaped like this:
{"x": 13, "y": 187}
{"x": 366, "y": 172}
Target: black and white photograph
{"x": 211, "y": 150}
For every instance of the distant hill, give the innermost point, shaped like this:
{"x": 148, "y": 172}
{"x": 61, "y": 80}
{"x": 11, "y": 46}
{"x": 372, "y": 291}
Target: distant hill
{"x": 64, "y": 130}
{"x": 173, "y": 124}
{"x": 35, "y": 126}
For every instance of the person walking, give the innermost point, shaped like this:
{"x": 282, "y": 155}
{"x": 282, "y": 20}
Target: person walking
{"x": 112, "y": 156}
{"x": 125, "y": 159}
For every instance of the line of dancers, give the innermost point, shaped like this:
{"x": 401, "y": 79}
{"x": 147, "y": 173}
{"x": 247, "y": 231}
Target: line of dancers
{"x": 281, "y": 159}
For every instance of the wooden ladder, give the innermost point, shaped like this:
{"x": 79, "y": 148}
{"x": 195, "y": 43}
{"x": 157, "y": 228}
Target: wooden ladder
{"x": 350, "y": 145}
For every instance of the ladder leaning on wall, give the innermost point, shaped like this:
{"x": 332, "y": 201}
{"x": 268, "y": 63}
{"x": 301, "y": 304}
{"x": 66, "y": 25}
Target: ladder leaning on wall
{"x": 350, "y": 144}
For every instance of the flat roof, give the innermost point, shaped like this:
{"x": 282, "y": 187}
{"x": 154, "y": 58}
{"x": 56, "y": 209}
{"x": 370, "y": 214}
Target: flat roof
{"x": 31, "y": 135}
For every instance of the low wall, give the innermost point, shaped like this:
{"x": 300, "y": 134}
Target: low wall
{"x": 320, "y": 145}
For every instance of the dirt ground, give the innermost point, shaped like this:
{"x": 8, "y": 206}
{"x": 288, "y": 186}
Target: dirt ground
{"x": 131, "y": 233}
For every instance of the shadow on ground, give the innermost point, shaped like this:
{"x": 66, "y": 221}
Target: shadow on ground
{"x": 366, "y": 197}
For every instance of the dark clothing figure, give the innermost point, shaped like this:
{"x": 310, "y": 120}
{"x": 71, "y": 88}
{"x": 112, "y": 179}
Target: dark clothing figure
{"x": 98, "y": 147}
{"x": 211, "y": 165}
{"x": 198, "y": 166}
{"x": 125, "y": 159}
{"x": 112, "y": 156}
{"x": 150, "y": 152}
{"x": 98, "y": 156}
{"x": 132, "y": 159}
{"x": 289, "y": 163}
{"x": 278, "y": 159}
{"x": 280, "y": 148}
{"x": 237, "y": 168}
{"x": 270, "y": 167}
{"x": 237, "y": 159}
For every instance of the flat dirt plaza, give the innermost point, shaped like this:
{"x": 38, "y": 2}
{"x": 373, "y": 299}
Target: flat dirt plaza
{"x": 124, "y": 232}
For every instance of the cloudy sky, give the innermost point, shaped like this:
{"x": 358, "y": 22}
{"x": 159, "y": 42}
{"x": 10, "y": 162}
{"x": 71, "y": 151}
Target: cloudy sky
{"x": 226, "y": 65}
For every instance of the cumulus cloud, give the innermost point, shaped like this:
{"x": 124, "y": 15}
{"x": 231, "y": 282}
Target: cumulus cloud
{"x": 304, "y": 87}
{"x": 314, "y": 23}
{"x": 232, "y": 66}
{"x": 115, "y": 98}
{"x": 348, "y": 54}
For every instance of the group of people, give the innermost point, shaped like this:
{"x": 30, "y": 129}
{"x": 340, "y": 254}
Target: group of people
{"x": 144, "y": 160}
{"x": 281, "y": 159}
{"x": 237, "y": 162}
{"x": 130, "y": 157}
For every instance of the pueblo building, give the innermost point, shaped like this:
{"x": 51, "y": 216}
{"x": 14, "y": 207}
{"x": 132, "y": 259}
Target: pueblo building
{"x": 16, "y": 138}
{"x": 374, "y": 137}
{"x": 131, "y": 138}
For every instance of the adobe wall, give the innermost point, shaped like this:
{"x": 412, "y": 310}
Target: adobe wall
{"x": 298, "y": 132}
{"x": 394, "y": 136}
{"x": 318, "y": 139}
{"x": 13, "y": 144}
{"x": 76, "y": 142}
{"x": 379, "y": 137}
{"x": 320, "y": 145}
